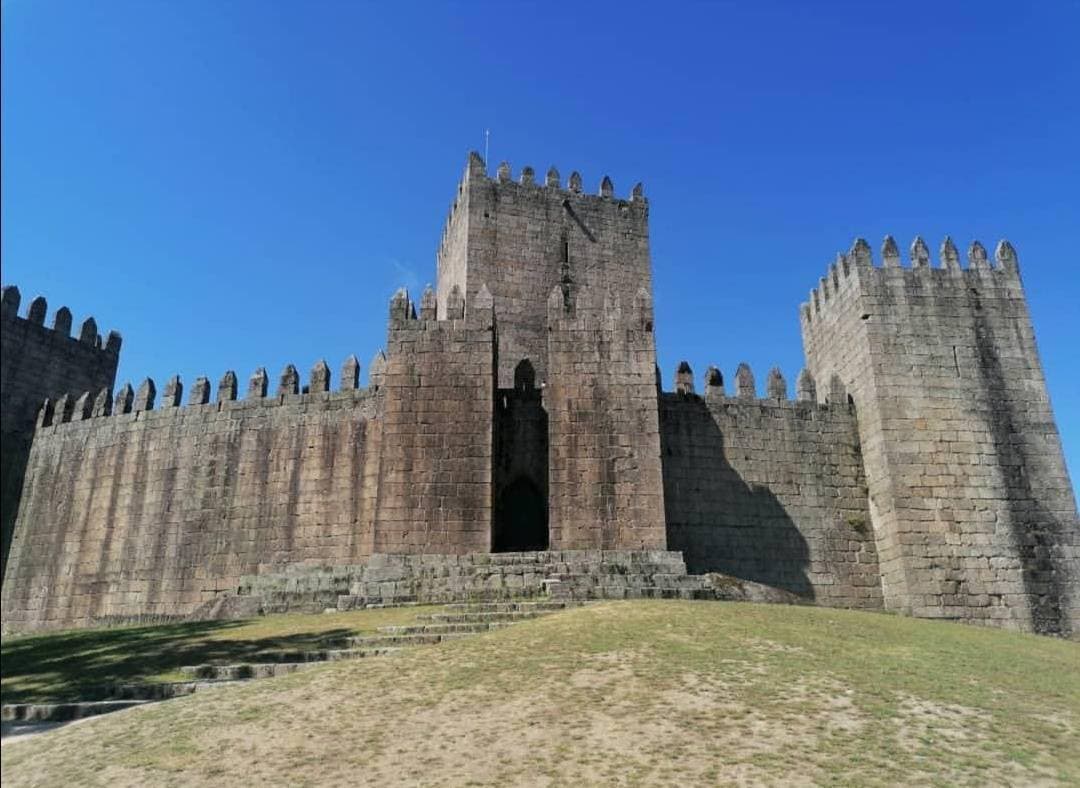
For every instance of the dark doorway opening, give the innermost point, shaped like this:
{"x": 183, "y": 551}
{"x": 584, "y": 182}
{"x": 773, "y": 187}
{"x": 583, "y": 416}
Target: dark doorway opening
{"x": 520, "y": 467}
{"x": 522, "y": 523}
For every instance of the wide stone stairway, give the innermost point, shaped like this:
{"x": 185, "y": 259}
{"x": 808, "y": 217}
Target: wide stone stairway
{"x": 435, "y": 579}
{"x": 477, "y": 592}
{"x": 451, "y": 622}
{"x": 459, "y": 620}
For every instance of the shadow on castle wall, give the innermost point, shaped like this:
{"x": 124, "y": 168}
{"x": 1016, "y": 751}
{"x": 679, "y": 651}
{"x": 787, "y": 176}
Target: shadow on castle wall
{"x": 14, "y": 452}
{"x": 719, "y": 521}
{"x": 1035, "y": 530}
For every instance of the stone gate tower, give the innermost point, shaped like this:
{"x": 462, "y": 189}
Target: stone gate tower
{"x": 577, "y": 450}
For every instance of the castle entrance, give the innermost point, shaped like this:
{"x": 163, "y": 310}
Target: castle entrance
{"x": 522, "y": 521}
{"x": 521, "y": 466}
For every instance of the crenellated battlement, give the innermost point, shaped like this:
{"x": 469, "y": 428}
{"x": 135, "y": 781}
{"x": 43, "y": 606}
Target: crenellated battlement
{"x": 858, "y": 266}
{"x": 521, "y": 234}
{"x": 526, "y": 184}
{"x": 776, "y": 389}
{"x": 141, "y": 402}
{"x": 574, "y": 308}
{"x": 574, "y": 185}
{"x": 62, "y": 321}
{"x": 457, "y": 313}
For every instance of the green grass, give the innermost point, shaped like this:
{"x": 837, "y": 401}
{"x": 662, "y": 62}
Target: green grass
{"x": 649, "y": 693}
{"x": 82, "y": 664}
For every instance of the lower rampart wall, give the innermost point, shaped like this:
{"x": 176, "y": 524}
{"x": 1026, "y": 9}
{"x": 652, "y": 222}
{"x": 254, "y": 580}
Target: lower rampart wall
{"x": 770, "y": 491}
{"x": 153, "y": 512}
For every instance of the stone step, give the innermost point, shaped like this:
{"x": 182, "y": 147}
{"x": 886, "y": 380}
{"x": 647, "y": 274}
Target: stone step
{"x": 442, "y": 629}
{"x": 517, "y": 571}
{"x": 161, "y": 691}
{"x": 322, "y": 654}
{"x": 510, "y": 607}
{"x": 479, "y": 580}
{"x": 522, "y": 558}
{"x": 272, "y": 667}
{"x": 622, "y": 592}
{"x": 346, "y": 602}
{"x": 481, "y": 617}
{"x": 245, "y": 670}
{"x": 63, "y": 712}
{"x": 672, "y": 581}
{"x": 385, "y": 580}
{"x": 378, "y": 597}
{"x": 392, "y": 567}
{"x": 413, "y": 639}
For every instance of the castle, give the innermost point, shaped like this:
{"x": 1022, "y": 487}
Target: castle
{"x": 518, "y": 414}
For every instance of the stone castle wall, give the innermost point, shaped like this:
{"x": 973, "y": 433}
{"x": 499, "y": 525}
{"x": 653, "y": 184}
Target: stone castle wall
{"x": 154, "y": 511}
{"x": 769, "y": 490}
{"x": 919, "y": 467}
{"x": 38, "y": 362}
{"x": 972, "y": 507}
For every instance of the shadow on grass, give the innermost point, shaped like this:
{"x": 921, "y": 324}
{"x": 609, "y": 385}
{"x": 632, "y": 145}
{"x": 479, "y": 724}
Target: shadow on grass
{"x": 84, "y": 664}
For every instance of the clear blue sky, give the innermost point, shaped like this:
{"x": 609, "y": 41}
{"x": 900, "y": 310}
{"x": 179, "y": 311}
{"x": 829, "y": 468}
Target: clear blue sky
{"x": 245, "y": 183}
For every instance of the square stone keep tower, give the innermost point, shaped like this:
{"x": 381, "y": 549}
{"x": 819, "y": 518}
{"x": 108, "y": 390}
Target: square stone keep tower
{"x": 522, "y": 238}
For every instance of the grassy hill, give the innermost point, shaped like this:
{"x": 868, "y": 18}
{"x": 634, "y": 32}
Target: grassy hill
{"x": 620, "y": 692}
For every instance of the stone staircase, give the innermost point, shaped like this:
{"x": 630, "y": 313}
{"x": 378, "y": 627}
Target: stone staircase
{"x": 478, "y": 577}
{"x": 18, "y": 718}
{"x": 457, "y": 621}
{"x": 478, "y": 593}
{"x": 62, "y": 712}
